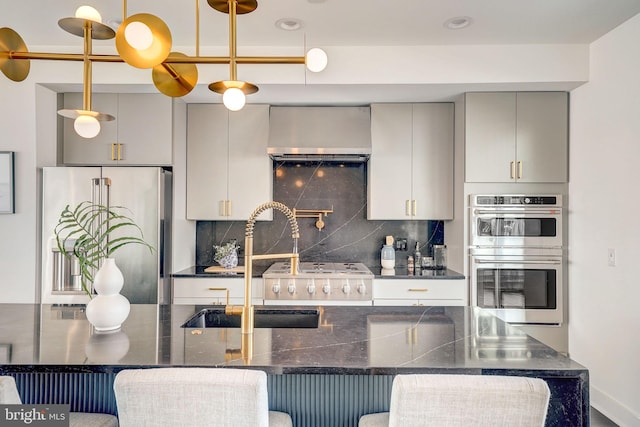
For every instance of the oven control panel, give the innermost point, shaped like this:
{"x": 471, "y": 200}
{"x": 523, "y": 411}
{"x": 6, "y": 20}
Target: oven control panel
{"x": 516, "y": 200}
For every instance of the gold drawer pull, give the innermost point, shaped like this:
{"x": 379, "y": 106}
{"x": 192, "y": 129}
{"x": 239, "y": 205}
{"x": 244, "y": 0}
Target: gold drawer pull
{"x": 418, "y": 290}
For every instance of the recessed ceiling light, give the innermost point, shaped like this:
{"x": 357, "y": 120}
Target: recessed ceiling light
{"x": 458, "y": 22}
{"x": 289, "y": 24}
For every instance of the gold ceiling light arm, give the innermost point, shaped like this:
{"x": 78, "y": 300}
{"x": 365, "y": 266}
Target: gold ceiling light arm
{"x": 233, "y": 69}
{"x": 197, "y": 27}
{"x": 86, "y": 121}
{"x": 174, "y": 74}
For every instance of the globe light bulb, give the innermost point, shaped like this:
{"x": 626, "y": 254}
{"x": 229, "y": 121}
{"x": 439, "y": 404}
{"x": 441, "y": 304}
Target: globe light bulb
{"x": 88, "y": 12}
{"x": 316, "y": 60}
{"x": 234, "y": 99}
{"x": 86, "y": 126}
{"x": 138, "y": 35}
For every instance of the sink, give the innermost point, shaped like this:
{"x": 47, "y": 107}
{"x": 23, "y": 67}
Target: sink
{"x": 263, "y": 318}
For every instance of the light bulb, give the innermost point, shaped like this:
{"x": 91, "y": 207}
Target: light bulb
{"x": 234, "y": 99}
{"x": 86, "y": 126}
{"x": 138, "y": 35}
{"x": 88, "y": 12}
{"x": 316, "y": 60}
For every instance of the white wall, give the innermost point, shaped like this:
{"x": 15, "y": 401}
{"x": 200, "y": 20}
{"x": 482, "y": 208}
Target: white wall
{"x": 604, "y": 206}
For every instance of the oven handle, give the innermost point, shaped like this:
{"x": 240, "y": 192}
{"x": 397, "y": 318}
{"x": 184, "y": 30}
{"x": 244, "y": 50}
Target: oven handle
{"x": 505, "y": 213}
{"x": 542, "y": 261}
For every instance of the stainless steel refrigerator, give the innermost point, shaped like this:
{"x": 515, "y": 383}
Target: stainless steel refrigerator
{"x": 146, "y": 193}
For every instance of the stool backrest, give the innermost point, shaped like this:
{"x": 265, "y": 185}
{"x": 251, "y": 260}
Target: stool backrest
{"x": 191, "y": 397}
{"x": 9, "y": 391}
{"x": 468, "y": 400}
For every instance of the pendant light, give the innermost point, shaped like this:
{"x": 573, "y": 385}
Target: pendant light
{"x": 86, "y": 23}
{"x": 144, "y": 41}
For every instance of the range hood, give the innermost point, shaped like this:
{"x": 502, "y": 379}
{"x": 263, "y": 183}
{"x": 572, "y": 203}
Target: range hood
{"x": 340, "y": 134}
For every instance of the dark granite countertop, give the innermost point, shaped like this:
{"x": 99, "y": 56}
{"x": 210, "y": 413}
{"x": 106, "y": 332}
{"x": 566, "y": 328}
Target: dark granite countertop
{"x": 357, "y": 340}
{"x": 401, "y": 272}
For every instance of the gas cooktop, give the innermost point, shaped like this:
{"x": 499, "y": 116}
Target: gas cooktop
{"x": 316, "y": 283}
{"x": 319, "y": 268}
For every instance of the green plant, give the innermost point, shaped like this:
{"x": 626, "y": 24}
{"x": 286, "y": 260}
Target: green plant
{"x": 90, "y": 226}
{"x": 225, "y": 250}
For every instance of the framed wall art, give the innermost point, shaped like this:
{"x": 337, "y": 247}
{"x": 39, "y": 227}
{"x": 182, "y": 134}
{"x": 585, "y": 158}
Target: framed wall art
{"x": 7, "y": 197}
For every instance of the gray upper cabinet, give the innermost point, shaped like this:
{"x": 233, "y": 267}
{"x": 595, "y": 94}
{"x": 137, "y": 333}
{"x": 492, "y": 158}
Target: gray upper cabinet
{"x": 229, "y": 172}
{"x": 141, "y": 134}
{"x": 516, "y": 137}
{"x": 410, "y": 173}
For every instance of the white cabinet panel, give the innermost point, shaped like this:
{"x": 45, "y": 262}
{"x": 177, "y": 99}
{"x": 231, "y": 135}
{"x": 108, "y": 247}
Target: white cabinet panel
{"x": 516, "y": 137}
{"x": 410, "y": 173}
{"x": 420, "y": 292}
{"x": 141, "y": 134}
{"x": 207, "y": 291}
{"x": 228, "y": 170}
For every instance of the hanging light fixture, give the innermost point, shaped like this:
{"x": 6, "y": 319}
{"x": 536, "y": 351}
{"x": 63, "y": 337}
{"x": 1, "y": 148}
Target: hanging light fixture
{"x": 144, "y": 41}
{"x": 87, "y": 23}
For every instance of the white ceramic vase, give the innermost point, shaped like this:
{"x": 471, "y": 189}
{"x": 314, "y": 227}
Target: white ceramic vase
{"x": 107, "y": 310}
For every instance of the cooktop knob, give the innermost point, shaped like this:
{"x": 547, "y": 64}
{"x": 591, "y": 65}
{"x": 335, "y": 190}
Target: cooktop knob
{"x": 362, "y": 288}
{"x": 276, "y": 287}
{"x": 326, "y": 288}
{"x": 311, "y": 287}
{"x": 291, "y": 288}
{"x": 346, "y": 288}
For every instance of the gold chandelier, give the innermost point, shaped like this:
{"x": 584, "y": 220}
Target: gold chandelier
{"x": 144, "y": 41}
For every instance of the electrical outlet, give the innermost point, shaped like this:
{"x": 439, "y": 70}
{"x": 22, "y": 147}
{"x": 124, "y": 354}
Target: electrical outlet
{"x": 401, "y": 243}
{"x": 611, "y": 257}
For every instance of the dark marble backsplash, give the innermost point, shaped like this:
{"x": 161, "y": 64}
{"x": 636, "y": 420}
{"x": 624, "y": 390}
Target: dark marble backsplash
{"x": 347, "y": 234}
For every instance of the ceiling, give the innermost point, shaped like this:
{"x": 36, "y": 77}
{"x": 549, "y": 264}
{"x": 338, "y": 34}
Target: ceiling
{"x": 339, "y": 23}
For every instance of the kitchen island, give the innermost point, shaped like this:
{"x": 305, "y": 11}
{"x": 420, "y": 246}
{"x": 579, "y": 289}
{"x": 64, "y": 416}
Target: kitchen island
{"x": 329, "y": 375}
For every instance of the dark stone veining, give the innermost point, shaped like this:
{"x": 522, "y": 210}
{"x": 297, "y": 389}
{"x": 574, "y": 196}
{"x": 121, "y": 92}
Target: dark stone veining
{"x": 365, "y": 342}
{"x": 347, "y": 235}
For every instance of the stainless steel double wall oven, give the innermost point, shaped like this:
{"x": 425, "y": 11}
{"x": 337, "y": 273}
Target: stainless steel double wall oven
{"x": 517, "y": 256}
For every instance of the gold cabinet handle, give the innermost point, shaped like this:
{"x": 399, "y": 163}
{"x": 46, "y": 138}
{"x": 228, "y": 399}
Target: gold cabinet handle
{"x": 407, "y": 209}
{"x": 119, "y": 151}
{"x": 222, "y": 289}
{"x": 113, "y": 151}
{"x": 222, "y": 208}
{"x": 418, "y": 290}
{"x": 519, "y": 169}
{"x": 414, "y": 207}
{"x": 512, "y": 170}
{"x": 228, "y": 208}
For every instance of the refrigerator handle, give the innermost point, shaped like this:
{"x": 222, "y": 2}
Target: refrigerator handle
{"x": 105, "y": 192}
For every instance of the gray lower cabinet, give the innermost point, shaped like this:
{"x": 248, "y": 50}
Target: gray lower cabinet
{"x": 516, "y": 137}
{"x": 141, "y": 134}
{"x": 229, "y": 172}
{"x": 410, "y": 173}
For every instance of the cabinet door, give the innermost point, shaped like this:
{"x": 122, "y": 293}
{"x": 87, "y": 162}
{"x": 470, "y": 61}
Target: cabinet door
{"x": 490, "y": 137}
{"x": 207, "y": 161}
{"x": 250, "y": 168}
{"x": 432, "y": 161}
{"x": 228, "y": 170}
{"x": 389, "y": 169}
{"x": 542, "y": 136}
{"x": 145, "y": 129}
{"x": 93, "y": 151}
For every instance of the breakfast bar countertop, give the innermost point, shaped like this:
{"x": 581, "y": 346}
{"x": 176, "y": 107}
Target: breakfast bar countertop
{"x": 366, "y": 340}
{"x": 350, "y": 342}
